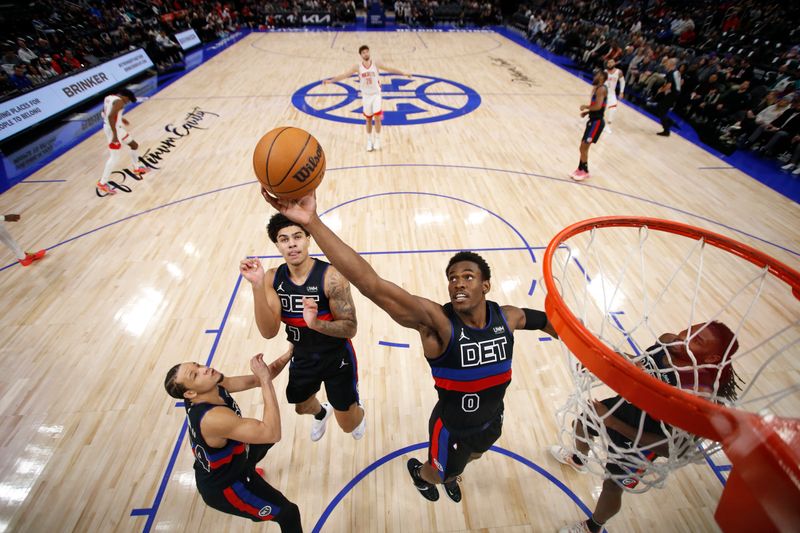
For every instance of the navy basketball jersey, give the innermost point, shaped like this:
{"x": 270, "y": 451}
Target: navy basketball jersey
{"x": 600, "y": 112}
{"x": 215, "y": 467}
{"x": 472, "y": 374}
{"x": 305, "y": 339}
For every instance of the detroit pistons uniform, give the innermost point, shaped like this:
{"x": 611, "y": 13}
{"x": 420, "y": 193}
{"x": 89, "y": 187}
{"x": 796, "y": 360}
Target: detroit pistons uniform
{"x": 471, "y": 378}
{"x": 370, "y": 85}
{"x": 596, "y": 122}
{"x": 317, "y": 358}
{"x": 226, "y": 477}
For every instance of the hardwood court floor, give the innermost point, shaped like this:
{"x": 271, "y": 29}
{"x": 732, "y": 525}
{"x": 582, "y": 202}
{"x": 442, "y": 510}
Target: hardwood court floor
{"x": 87, "y": 334}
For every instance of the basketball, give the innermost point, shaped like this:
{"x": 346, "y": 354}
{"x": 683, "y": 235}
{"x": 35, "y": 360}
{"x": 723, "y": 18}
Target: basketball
{"x": 289, "y": 162}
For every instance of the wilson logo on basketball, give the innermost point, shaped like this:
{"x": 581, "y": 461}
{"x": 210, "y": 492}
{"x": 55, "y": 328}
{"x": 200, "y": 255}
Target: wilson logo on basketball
{"x": 306, "y": 170}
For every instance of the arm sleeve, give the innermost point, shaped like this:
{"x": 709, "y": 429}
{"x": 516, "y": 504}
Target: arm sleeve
{"x": 534, "y": 319}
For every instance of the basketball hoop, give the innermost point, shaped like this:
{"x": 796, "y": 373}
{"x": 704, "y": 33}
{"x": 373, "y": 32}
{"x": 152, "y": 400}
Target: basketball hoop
{"x": 658, "y": 276}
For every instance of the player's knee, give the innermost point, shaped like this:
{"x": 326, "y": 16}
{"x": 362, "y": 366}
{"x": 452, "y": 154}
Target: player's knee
{"x": 475, "y": 455}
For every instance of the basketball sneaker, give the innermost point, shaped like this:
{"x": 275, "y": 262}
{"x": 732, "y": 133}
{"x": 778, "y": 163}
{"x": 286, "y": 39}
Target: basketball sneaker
{"x": 452, "y": 489}
{"x": 563, "y": 456}
{"x": 579, "y": 527}
{"x": 358, "y": 433}
{"x": 579, "y": 175}
{"x": 428, "y": 490}
{"x": 140, "y": 171}
{"x": 318, "y": 426}
{"x": 31, "y": 257}
{"x": 369, "y": 145}
{"x": 106, "y": 188}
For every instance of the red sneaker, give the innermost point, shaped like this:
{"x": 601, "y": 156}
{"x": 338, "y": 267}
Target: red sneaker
{"x": 31, "y": 257}
{"x": 141, "y": 170}
{"x": 106, "y": 189}
{"x": 579, "y": 175}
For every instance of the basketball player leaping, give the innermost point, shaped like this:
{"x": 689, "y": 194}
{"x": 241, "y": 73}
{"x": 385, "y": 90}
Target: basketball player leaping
{"x": 227, "y": 447}
{"x": 594, "y": 126}
{"x": 114, "y": 127}
{"x": 708, "y": 344}
{"x": 614, "y": 76}
{"x": 370, "y": 85}
{"x": 313, "y": 299}
{"x": 468, "y": 343}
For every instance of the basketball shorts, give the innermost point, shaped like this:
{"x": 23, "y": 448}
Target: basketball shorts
{"x": 449, "y": 453}
{"x": 251, "y": 497}
{"x": 594, "y": 127}
{"x": 372, "y": 105}
{"x": 122, "y": 134}
{"x": 337, "y": 369}
{"x": 631, "y": 415}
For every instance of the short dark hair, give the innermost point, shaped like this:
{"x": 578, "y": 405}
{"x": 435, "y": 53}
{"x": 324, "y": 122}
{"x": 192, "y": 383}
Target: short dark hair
{"x": 174, "y": 389}
{"x": 362, "y": 48}
{"x": 127, "y": 93}
{"x": 277, "y": 222}
{"x": 472, "y": 257}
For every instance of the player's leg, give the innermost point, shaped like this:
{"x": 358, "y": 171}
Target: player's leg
{"x": 377, "y": 111}
{"x": 564, "y": 456}
{"x": 304, "y": 383}
{"x": 114, "y": 157}
{"x": 8, "y": 240}
{"x": 341, "y": 386}
{"x": 473, "y": 447}
{"x": 253, "y": 498}
{"x": 136, "y": 165}
{"x": 611, "y": 110}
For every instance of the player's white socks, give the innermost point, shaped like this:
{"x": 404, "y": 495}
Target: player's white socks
{"x": 376, "y": 140}
{"x": 135, "y": 158}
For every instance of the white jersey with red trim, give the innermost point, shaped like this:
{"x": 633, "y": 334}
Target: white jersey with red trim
{"x": 614, "y": 76}
{"x": 122, "y": 133}
{"x": 369, "y": 79}
{"x": 108, "y": 103}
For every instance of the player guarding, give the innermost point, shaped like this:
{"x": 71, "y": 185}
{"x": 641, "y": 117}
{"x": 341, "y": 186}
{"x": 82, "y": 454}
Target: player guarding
{"x": 614, "y": 76}
{"x": 114, "y": 126}
{"x": 680, "y": 363}
{"x": 370, "y": 84}
{"x": 594, "y": 126}
{"x": 468, "y": 343}
{"x": 313, "y": 299}
{"x": 227, "y": 447}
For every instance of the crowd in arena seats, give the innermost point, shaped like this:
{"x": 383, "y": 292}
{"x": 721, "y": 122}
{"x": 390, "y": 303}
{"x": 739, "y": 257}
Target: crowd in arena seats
{"x": 59, "y": 38}
{"x": 428, "y": 13}
{"x": 729, "y": 69}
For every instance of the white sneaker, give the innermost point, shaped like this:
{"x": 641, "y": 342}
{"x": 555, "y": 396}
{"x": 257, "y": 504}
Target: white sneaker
{"x": 377, "y": 143}
{"x": 796, "y": 172}
{"x": 369, "y": 145}
{"x": 608, "y": 130}
{"x": 563, "y": 456}
{"x": 318, "y": 426}
{"x": 579, "y": 527}
{"x": 789, "y": 166}
{"x": 358, "y": 433}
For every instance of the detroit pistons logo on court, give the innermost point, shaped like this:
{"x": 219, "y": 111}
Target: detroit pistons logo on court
{"x": 405, "y": 101}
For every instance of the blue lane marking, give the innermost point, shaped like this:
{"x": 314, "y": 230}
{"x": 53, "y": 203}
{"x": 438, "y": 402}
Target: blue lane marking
{"x": 716, "y": 469}
{"x": 717, "y": 168}
{"x": 394, "y": 344}
{"x": 414, "y": 447}
{"x": 545, "y": 339}
{"x": 180, "y": 404}
{"x": 43, "y": 181}
{"x": 533, "y": 287}
{"x": 212, "y": 331}
{"x": 724, "y": 468}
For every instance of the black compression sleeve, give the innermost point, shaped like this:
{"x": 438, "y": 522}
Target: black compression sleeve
{"x": 534, "y": 319}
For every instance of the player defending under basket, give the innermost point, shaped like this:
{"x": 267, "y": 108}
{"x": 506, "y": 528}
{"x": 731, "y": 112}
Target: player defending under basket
{"x": 706, "y": 348}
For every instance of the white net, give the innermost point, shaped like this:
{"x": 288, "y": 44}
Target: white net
{"x": 690, "y": 314}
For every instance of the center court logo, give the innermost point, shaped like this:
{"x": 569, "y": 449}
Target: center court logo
{"x": 405, "y": 101}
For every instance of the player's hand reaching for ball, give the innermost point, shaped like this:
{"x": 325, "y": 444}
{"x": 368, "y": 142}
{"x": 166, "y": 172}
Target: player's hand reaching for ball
{"x": 260, "y": 368}
{"x": 301, "y": 210}
{"x": 252, "y": 270}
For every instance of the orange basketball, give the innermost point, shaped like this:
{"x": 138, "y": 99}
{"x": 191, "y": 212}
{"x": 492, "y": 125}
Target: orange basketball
{"x": 289, "y": 162}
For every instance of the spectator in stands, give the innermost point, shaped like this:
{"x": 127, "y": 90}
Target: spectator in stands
{"x": 749, "y": 122}
{"x": 19, "y": 78}
{"x": 9, "y": 61}
{"x": 25, "y": 54}
{"x": 794, "y": 162}
{"x": 786, "y": 126}
{"x": 70, "y": 61}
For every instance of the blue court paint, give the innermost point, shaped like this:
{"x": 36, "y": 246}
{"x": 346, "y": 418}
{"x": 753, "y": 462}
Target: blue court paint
{"x": 465, "y": 167}
{"x": 724, "y": 468}
{"x": 421, "y": 39}
{"x": 716, "y": 168}
{"x": 628, "y": 338}
{"x": 180, "y": 404}
{"x": 141, "y": 512}
{"x": 714, "y": 468}
{"x": 394, "y": 344}
{"x": 533, "y": 287}
{"x": 44, "y": 181}
{"x": 414, "y": 447}
{"x": 335, "y": 36}
{"x": 212, "y": 331}
{"x": 545, "y": 339}
{"x": 405, "y": 101}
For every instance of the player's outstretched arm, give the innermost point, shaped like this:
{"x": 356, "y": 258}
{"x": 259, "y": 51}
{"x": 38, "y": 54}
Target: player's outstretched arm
{"x": 524, "y": 318}
{"x": 242, "y": 383}
{"x": 406, "y": 309}
{"x": 341, "y": 76}
{"x": 224, "y": 423}
{"x": 344, "y": 324}
{"x": 390, "y": 70}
